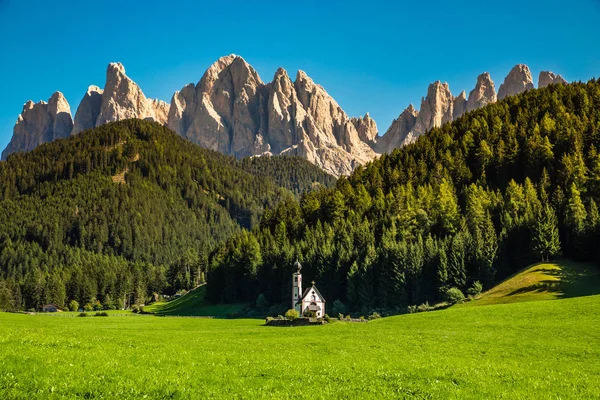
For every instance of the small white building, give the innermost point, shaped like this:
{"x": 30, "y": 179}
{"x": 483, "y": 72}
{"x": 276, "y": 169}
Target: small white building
{"x": 311, "y": 299}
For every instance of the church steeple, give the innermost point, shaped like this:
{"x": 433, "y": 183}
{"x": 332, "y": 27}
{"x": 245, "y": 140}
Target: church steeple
{"x": 297, "y": 287}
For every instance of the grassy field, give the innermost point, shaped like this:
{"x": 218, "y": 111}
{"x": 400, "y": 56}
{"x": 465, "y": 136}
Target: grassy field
{"x": 541, "y": 350}
{"x": 544, "y": 281}
{"x": 193, "y": 303}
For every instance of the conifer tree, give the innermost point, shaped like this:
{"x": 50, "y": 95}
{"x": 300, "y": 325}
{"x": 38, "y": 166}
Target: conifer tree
{"x": 546, "y": 241}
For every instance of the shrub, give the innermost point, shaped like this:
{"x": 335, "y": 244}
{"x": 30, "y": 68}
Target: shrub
{"x": 135, "y": 309}
{"x": 310, "y": 314}
{"x": 88, "y": 307}
{"x": 341, "y": 316}
{"x": 412, "y": 309}
{"x": 97, "y": 306}
{"x": 454, "y": 295}
{"x": 327, "y": 318}
{"x": 423, "y": 307}
{"x": 338, "y": 307}
{"x": 374, "y": 315}
{"x": 475, "y": 289}
{"x": 73, "y": 305}
{"x": 82, "y": 314}
{"x": 101, "y": 314}
{"x": 291, "y": 314}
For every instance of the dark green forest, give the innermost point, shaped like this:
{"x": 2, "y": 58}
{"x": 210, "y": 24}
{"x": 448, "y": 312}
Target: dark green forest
{"x": 293, "y": 173}
{"x": 127, "y": 209}
{"x": 467, "y": 204}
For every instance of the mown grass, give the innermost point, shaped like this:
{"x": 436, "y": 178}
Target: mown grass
{"x": 544, "y": 281}
{"x": 193, "y": 304}
{"x": 538, "y": 350}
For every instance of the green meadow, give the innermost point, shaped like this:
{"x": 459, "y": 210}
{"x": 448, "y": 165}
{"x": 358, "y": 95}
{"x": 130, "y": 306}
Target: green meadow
{"x": 547, "y": 349}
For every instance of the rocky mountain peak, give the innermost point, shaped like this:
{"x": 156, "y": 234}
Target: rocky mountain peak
{"x": 459, "y": 106}
{"x": 231, "y": 110}
{"x": 122, "y": 98}
{"x": 366, "y": 127}
{"x": 483, "y": 94}
{"x": 517, "y": 81}
{"x": 436, "y": 109}
{"x": 60, "y": 113}
{"x": 549, "y": 78}
{"x": 39, "y": 123}
{"x": 88, "y": 110}
{"x": 398, "y": 131}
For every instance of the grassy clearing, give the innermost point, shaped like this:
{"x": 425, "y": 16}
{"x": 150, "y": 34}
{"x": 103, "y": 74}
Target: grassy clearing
{"x": 193, "y": 304}
{"x": 544, "y": 281}
{"x": 542, "y": 350}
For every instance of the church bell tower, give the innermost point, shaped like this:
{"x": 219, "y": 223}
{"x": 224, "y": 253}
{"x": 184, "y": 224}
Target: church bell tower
{"x": 297, "y": 287}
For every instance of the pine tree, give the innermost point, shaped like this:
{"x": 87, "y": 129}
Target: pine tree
{"x": 546, "y": 242}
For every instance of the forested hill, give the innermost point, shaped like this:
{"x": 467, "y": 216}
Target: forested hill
{"x": 128, "y": 207}
{"x": 472, "y": 201}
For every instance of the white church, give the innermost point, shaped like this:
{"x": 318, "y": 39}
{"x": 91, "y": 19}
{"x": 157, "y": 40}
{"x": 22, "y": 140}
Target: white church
{"x": 310, "y": 299}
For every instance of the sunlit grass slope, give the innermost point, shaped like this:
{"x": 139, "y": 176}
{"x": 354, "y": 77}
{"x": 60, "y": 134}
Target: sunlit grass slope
{"x": 544, "y": 281}
{"x": 193, "y": 304}
{"x": 534, "y": 350}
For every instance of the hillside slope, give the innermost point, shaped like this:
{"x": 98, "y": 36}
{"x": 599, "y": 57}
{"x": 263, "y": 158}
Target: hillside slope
{"x": 544, "y": 281}
{"x": 193, "y": 303}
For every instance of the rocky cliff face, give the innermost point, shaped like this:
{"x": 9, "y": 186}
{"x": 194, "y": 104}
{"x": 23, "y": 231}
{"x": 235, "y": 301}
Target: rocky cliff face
{"x": 483, "y": 94}
{"x": 122, "y": 98}
{"x": 232, "y": 111}
{"x": 88, "y": 110}
{"x": 549, "y": 78}
{"x": 436, "y": 109}
{"x": 40, "y": 123}
{"x": 439, "y": 107}
{"x": 397, "y": 133}
{"x": 225, "y": 111}
{"x": 366, "y": 128}
{"x": 459, "y": 105}
{"x": 517, "y": 81}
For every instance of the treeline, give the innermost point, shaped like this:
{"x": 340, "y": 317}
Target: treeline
{"x": 125, "y": 209}
{"x": 468, "y": 203}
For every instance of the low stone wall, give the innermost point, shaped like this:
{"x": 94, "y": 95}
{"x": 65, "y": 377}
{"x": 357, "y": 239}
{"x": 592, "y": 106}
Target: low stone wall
{"x": 295, "y": 322}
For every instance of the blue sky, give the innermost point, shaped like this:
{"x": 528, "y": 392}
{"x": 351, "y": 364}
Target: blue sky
{"x": 375, "y": 56}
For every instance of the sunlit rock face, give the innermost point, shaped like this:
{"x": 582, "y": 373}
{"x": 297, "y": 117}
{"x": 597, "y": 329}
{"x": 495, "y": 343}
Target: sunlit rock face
{"x": 517, "y": 81}
{"x": 40, "y": 123}
{"x": 549, "y": 78}
{"x": 233, "y": 111}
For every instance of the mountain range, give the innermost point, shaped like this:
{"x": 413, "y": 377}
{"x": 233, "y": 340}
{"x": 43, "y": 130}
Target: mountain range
{"x": 231, "y": 110}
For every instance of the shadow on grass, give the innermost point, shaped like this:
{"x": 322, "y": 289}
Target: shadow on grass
{"x": 571, "y": 280}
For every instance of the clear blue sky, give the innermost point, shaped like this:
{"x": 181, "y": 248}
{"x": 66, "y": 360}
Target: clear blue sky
{"x": 375, "y": 56}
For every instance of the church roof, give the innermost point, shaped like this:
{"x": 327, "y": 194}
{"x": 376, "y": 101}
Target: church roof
{"x": 313, "y": 287}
